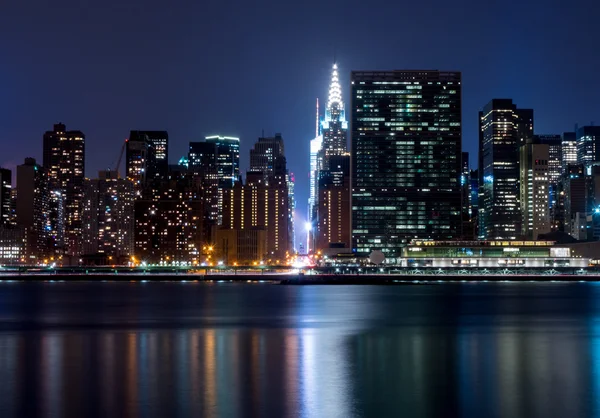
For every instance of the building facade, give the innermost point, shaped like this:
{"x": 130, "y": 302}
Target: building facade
{"x": 263, "y": 205}
{"x": 108, "y": 215}
{"x": 535, "y": 186}
{"x": 216, "y": 163}
{"x": 588, "y": 145}
{"x": 146, "y": 157}
{"x": 503, "y": 128}
{"x": 33, "y": 205}
{"x": 574, "y": 188}
{"x": 569, "y": 150}
{"x": 64, "y": 163}
{"x": 5, "y": 196}
{"x": 333, "y": 213}
{"x": 168, "y": 223}
{"x": 406, "y": 158}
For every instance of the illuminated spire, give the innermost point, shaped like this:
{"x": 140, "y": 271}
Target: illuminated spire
{"x": 335, "y": 90}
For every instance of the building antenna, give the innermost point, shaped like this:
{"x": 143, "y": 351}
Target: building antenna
{"x": 317, "y": 124}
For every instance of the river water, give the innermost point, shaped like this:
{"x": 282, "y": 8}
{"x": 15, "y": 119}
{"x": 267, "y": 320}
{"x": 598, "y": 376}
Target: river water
{"x": 244, "y": 350}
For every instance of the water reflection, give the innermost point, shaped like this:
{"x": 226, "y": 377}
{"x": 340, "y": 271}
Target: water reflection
{"x": 333, "y": 351}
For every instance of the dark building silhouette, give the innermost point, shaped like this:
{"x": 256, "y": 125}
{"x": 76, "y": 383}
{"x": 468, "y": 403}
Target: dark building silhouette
{"x": 33, "y": 205}
{"x": 268, "y": 156}
{"x": 574, "y": 187}
{"x": 406, "y": 158}
{"x": 147, "y": 157}
{"x": 216, "y": 163}
{"x": 333, "y": 208}
{"x": 5, "y": 196}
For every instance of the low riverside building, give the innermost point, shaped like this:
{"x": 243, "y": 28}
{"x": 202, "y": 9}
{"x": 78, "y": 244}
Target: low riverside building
{"x": 486, "y": 254}
{"x": 12, "y": 245}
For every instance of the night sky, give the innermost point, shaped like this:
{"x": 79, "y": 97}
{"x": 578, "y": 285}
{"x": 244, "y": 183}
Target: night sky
{"x": 197, "y": 68}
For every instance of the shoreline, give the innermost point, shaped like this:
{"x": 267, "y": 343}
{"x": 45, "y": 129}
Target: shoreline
{"x": 296, "y": 279}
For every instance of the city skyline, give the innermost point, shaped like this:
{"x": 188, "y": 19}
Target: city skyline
{"x": 179, "y": 93}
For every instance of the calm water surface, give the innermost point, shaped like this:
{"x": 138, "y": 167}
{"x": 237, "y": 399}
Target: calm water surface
{"x": 189, "y": 350}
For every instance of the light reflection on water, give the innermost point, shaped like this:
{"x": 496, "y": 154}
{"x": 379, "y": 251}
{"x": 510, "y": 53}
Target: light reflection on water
{"x": 160, "y": 349}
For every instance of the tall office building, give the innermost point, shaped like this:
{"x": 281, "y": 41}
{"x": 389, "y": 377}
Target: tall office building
{"x": 5, "y": 196}
{"x": 216, "y": 163}
{"x": 168, "y": 222}
{"x": 334, "y": 126}
{"x": 569, "y": 150}
{"x": 574, "y": 187}
{"x": 64, "y": 163}
{"x": 534, "y": 183}
{"x": 474, "y": 201}
{"x": 315, "y": 146}
{"x": 260, "y": 204}
{"x": 588, "y": 145}
{"x": 108, "y": 215}
{"x": 593, "y": 202}
{"x": 502, "y": 129}
{"x": 406, "y": 158}
{"x": 268, "y": 156}
{"x": 333, "y": 210}
{"x": 33, "y": 209}
{"x": 555, "y": 170}
{"x": 147, "y": 157}
{"x": 291, "y": 183}
{"x": 468, "y": 231}
{"x": 555, "y": 156}
{"x": 227, "y": 158}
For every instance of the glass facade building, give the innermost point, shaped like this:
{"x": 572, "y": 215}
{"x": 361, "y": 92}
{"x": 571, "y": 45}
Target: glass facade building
{"x": 405, "y": 158}
{"x": 147, "y": 157}
{"x": 503, "y": 128}
{"x": 588, "y": 145}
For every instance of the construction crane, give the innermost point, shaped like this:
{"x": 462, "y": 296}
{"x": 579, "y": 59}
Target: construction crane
{"x": 121, "y": 157}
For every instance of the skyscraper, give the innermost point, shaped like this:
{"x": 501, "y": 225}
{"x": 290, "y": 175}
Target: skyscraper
{"x": 588, "y": 145}
{"x": 334, "y": 126}
{"x": 534, "y": 183}
{"x": 555, "y": 156}
{"x": 5, "y": 196}
{"x": 147, "y": 157}
{"x": 64, "y": 162}
{"x": 333, "y": 210}
{"x": 502, "y": 129}
{"x": 108, "y": 215}
{"x": 406, "y": 158}
{"x": 569, "y": 150}
{"x": 260, "y": 204}
{"x": 33, "y": 209}
{"x": 168, "y": 222}
{"x": 227, "y": 158}
{"x": 315, "y": 146}
{"x": 268, "y": 157}
{"x": 574, "y": 186}
{"x": 216, "y": 163}
{"x": 468, "y": 231}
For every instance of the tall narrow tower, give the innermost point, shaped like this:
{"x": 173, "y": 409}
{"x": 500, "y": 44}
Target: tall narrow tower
{"x": 334, "y": 125}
